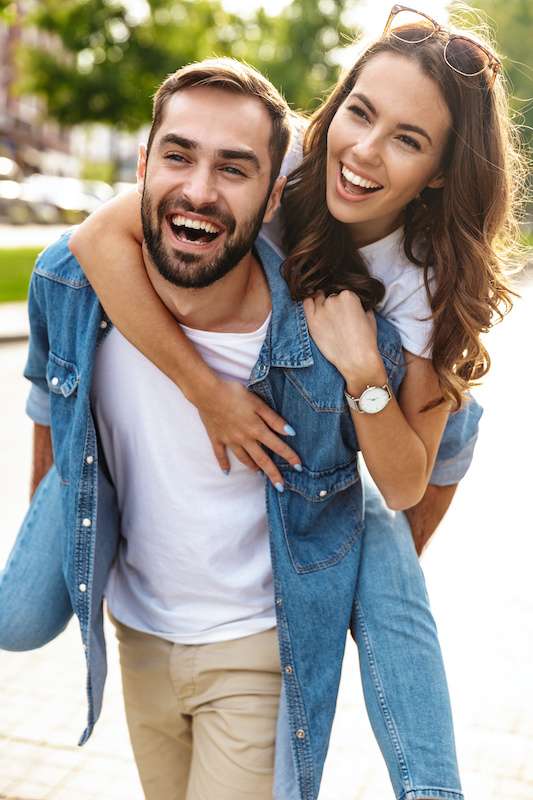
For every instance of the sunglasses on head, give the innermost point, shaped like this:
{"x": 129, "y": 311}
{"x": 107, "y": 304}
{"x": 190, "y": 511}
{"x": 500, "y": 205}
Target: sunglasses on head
{"x": 462, "y": 54}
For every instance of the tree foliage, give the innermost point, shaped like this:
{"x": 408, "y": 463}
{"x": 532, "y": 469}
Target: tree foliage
{"x": 105, "y": 64}
{"x": 511, "y": 25}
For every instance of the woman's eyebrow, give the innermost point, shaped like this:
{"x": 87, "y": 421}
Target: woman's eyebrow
{"x": 404, "y": 126}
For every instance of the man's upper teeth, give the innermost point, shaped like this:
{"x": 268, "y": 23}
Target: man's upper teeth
{"x": 198, "y": 224}
{"x": 357, "y": 180}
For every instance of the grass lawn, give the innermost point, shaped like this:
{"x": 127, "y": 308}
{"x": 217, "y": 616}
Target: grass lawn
{"x": 15, "y": 269}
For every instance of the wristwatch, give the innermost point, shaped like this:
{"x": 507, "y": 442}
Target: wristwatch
{"x": 372, "y": 400}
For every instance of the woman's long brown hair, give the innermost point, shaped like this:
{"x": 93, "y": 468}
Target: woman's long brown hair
{"x": 465, "y": 234}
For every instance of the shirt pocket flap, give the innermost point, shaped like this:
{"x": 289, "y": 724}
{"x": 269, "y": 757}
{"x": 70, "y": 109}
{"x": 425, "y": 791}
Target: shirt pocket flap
{"x": 62, "y": 376}
{"x": 318, "y": 487}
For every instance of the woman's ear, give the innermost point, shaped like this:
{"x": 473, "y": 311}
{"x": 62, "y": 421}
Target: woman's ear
{"x": 437, "y": 182}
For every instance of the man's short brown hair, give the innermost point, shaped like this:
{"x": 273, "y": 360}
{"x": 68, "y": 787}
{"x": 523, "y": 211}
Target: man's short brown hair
{"x": 233, "y": 76}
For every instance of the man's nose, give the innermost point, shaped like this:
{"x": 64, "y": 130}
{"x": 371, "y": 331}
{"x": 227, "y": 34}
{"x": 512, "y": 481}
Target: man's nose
{"x": 200, "y": 188}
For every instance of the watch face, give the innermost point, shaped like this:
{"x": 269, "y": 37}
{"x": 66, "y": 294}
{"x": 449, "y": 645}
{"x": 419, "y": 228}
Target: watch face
{"x": 373, "y": 400}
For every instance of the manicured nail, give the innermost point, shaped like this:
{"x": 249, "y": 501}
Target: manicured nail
{"x": 297, "y": 467}
{"x": 289, "y": 430}
{"x": 226, "y": 471}
{"x": 280, "y": 488}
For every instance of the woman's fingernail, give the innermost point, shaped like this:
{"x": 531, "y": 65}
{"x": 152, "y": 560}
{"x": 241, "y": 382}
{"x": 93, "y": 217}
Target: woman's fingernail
{"x": 280, "y": 487}
{"x": 297, "y": 467}
{"x": 226, "y": 471}
{"x": 289, "y": 430}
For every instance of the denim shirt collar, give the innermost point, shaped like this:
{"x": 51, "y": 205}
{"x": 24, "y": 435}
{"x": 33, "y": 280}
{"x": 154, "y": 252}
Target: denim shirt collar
{"x": 287, "y": 343}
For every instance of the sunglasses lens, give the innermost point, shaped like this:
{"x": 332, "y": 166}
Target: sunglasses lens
{"x": 409, "y": 26}
{"x": 465, "y": 56}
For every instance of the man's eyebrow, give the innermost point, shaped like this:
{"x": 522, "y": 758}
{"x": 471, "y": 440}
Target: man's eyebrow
{"x": 240, "y": 155}
{"x": 404, "y": 126}
{"x": 181, "y": 141}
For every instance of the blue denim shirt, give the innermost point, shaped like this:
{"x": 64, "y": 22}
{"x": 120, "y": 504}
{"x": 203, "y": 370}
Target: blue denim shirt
{"x": 313, "y": 525}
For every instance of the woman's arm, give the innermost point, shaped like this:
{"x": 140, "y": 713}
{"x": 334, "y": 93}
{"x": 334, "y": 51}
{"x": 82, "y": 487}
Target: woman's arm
{"x": 108, "y": 246}
{"x": 400, "y": 443}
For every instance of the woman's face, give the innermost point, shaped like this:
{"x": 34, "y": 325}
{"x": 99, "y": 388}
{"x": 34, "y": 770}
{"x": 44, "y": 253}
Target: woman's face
{"x": 385, "y": 144}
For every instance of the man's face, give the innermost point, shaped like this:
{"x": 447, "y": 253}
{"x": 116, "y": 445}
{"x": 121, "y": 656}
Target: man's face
{"x": 205, "y": 184}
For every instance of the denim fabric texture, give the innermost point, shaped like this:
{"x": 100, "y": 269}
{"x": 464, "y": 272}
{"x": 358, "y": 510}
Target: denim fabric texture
{"x": 71, "y": 533}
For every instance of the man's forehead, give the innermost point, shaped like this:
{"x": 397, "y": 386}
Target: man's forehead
{"x": 218, "y": 119}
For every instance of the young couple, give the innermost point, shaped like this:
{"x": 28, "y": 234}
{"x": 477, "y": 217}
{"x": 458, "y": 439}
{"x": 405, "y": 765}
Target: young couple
{"x": 232, "y": 613}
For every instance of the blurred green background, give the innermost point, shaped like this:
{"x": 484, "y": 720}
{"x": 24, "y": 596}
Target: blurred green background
{"x": 78, "y": 77}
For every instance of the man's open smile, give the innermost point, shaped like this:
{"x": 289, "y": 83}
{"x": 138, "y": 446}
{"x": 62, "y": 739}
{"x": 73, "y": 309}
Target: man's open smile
{"x": 194, "y": 231}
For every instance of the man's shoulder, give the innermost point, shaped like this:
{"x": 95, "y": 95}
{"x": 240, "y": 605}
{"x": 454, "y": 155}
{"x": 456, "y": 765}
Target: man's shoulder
{"x": 58, "y": 264}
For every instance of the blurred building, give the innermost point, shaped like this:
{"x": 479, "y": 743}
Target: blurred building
{"x": 36, "y": 143}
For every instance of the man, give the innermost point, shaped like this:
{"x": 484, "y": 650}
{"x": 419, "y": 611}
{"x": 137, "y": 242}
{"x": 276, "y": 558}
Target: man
{"x": 204, "y": 582}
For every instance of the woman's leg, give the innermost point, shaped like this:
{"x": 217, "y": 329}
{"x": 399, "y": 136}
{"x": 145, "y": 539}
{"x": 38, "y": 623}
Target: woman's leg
{"x": 34, "y": 602}
{"x": 401, "y": 664}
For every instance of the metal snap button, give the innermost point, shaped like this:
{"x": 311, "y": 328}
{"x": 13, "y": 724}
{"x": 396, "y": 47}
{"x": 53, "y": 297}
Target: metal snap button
{"x": 288, "y": 669}
{"x": 55, "y": 381}
{"x": 83, "y": 587}
{"x": 300, "y": 733}
{"x": 89, "y": 459}
{"x": 322, "y": 493}
{"x": 86, "y": 522}
{"x": 103, "y": 324}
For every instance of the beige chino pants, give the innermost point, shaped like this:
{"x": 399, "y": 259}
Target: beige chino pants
{"x": 201, "y": 718}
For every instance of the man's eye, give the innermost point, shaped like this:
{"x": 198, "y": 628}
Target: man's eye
{"x": 359, "y": 112}
{"x": 234, "y": 171}
{"x": 409, "y": 141}
{"x": 175, "y": 157}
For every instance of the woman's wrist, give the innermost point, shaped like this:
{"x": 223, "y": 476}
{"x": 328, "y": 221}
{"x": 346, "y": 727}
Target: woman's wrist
{"x": 357, "y": 379}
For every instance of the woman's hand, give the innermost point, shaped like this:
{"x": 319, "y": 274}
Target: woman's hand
{"x": 346, "y": 335}
{"x": 236, "y": 418}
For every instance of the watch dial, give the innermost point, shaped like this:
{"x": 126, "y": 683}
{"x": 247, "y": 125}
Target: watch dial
{"x": 373, "y": 400}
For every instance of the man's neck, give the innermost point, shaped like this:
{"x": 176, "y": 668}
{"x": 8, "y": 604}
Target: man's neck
{"x": 238, "y": 303}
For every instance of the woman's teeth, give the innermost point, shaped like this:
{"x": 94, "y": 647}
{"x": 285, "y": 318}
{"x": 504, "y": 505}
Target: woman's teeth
{"x": 356, "y": 180}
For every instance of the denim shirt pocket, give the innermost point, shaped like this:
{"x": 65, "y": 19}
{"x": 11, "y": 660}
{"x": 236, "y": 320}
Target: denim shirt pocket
{"x": 322, "y": 515}
{"x": 62, "y": 378}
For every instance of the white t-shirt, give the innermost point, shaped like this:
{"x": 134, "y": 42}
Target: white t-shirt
{"x": 194, "y": 562}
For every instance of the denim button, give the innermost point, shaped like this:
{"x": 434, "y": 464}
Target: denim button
{"x": 103, "y": 324}
{"x": 55, "y": 381}
{"x": 288, "y": 669}
{"x": 82, "y": 587}
{"x": 89, "y": 459}
{"x": 86, "y": 522}
{"x": 322, "y": 493}
{"x": 279, "y": 601}
{"x": 300, "y": 733}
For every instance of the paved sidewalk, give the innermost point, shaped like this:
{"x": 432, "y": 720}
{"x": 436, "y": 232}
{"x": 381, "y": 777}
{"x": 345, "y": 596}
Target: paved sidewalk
{"x": 478, "y": 572}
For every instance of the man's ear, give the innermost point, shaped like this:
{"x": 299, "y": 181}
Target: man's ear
{"x": 437, "y": 182}
{"x": 275, "y": 198}
{"x": 141, "y": 167}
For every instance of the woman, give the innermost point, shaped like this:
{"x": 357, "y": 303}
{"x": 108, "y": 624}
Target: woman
{"x": 413, "y": 427}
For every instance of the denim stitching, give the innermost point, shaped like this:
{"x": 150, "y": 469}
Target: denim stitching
{"x": 380, "y": 692}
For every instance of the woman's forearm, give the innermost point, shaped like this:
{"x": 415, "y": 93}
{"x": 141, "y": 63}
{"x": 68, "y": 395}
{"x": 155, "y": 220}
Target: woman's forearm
{"x": 399, "y": 443}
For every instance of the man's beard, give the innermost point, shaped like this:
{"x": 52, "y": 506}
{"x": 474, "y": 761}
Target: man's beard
{"x": 185, "y": 269}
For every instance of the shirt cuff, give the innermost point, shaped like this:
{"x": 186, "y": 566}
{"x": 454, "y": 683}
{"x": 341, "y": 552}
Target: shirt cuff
{"x": 38, "y": 406}
{"x": 449, "y": 471}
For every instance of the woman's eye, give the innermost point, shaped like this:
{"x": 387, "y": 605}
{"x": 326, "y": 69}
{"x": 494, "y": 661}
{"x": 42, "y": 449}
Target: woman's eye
{"x": 409, "y": 141}
{"x": 359, "y": 112}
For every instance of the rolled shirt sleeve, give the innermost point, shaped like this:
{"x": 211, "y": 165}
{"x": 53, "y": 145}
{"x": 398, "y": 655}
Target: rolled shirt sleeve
{"x": 37, "y": 405}
{"x": 457, "y": 445}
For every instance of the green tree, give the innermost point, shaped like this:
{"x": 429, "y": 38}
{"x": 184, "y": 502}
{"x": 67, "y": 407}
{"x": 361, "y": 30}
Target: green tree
{"x": 106, "y": 64}
{"x": 511, "y": 24}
